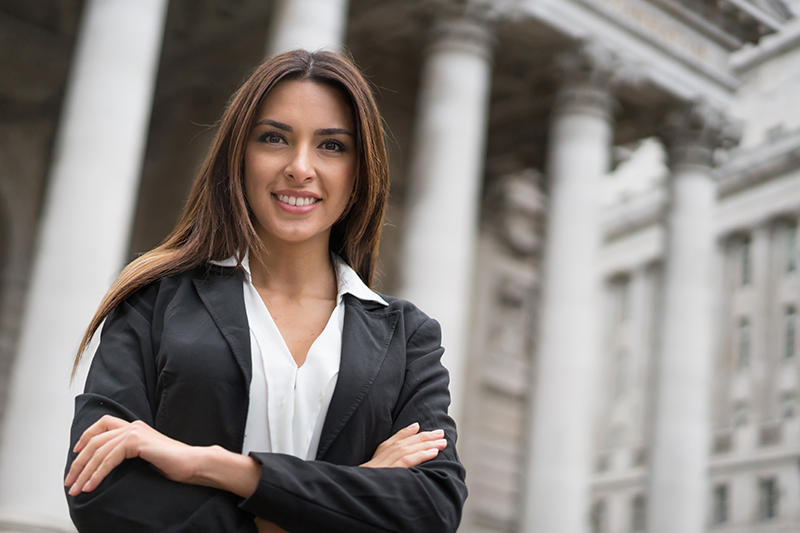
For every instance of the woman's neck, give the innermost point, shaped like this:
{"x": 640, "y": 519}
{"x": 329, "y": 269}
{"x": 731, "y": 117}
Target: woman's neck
{"x": 294, "y": 271}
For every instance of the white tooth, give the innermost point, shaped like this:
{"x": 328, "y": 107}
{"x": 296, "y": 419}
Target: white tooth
{"x": 292, "y": 200}
{"x": 283, "y": 198}
{"x": 302, "y": 202}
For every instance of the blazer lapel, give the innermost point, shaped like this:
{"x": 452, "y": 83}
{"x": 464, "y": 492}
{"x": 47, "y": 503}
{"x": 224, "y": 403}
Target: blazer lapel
{"x": 365, "y": 340}
{"x": 223, "y": 296}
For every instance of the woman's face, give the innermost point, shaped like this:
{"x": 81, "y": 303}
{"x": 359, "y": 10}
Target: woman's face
{"x": 300, "y": 163}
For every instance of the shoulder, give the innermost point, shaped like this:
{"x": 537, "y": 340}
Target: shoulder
{"x": 415, "y": 324}
{"x": 413, "y": 316}
{"x": 178, "y": 289}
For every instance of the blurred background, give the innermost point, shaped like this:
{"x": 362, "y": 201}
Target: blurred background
{"x": 597, "y": 199}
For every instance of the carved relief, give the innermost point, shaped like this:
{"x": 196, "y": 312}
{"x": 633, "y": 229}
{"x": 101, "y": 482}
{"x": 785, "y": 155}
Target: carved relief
{"x": 514, "y": 208}
{"x": 510, "y": 242}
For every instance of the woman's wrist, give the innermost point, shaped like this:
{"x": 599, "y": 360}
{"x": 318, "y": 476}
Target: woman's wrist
{"x": 225, "y": 470}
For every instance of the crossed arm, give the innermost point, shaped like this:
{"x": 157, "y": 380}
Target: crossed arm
{"x": 110, "y": 441}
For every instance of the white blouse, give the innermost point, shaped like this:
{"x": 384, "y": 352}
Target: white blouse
{"x": 288, "y": 404}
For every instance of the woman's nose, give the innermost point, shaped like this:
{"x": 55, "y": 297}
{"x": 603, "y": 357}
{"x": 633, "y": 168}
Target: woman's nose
{"x": 300, "y": 168}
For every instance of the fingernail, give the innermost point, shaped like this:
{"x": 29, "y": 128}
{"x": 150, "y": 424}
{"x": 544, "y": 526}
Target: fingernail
{"x": 415, "y": 425}
{"x": 433, "y": 451}
{"x": 438, "y": 433}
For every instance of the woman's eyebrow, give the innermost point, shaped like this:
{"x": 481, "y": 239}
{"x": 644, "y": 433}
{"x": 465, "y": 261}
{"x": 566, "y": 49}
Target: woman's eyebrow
{"x": 333, "y": 131}
{"x": 276, "y": 124}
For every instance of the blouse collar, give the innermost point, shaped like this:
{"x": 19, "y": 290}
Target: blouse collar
{"x": 347, "y": 280}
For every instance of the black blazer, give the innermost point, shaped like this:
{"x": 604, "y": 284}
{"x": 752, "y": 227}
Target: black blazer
{"x": 176, "y": 355}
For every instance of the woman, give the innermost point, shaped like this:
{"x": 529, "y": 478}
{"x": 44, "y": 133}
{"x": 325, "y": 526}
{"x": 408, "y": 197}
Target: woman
{"x": 245, "y": 368}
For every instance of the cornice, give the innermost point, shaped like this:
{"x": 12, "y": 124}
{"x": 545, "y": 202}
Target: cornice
{"x": 646, "y": 209}
{"x": 786, "y": 40}
{"x": 716, "y": 75}
{"x": 699, "y": 23}
{"x": 768, "y": 458}
{"x": 748, "y": 168}
{"x": 631, "y": 478}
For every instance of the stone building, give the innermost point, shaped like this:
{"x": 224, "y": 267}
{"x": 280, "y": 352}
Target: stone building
{"x": 598, "y": 200}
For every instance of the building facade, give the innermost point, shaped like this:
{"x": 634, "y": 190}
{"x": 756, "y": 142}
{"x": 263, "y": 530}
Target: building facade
{"x": 598, "y": 200}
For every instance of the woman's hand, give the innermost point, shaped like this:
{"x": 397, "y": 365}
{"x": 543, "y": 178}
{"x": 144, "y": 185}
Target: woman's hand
{"x": 109, "y": 441}
{"x": 408, "y": 447}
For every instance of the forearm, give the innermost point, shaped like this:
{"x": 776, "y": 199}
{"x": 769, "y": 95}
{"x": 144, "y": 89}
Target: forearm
{"x": 120, "y": 502}
{"x": 310, "y": 496}
{"x": 225, "y": 470}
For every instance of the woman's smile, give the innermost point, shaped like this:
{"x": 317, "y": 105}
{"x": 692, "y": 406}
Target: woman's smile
{"x": 297, "y": 202}
{"x": 300, "y": 163}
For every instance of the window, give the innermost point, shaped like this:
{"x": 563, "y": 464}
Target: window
{"x": 740, "y": 409}
{"x": 621, "y": 374}
{"x": 743, "y": 356}
{"x": 620, "y": 290}
{"x": 638, "y": 516}
{"x": 625, "y": 301}
{"x": 618, "y": 435}
{"x": 768, "y": 498}
{"x": 719, "y": 514}
{"x": 722, "y": 441}
{"x": 602, "y": 463}
{"x": 789, "y": 321}
{"x": 787, "y": 400}
{"x": 791, "y": 248}
{"x": 598, "y": 517}
{"x": 747, "y": 271}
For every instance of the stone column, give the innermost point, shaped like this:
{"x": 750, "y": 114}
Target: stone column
{"x": 446, "y": 174}
{"x": 640, "y": 331}
{"x": 681, "y": 432}
{"x": 763, "y": 315}
{"x": 307, "y": 24}
{"x": 569, "y": 338}
{"x": 82, "y": 243}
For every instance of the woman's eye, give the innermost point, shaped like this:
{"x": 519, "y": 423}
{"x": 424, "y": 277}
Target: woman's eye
{"x": 333, "y": 146}
{"x": 271, "y": 138}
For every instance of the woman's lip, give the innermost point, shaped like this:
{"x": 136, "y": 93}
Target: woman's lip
{"x": 295, "y": 209}
{"x": 296, "y": 193}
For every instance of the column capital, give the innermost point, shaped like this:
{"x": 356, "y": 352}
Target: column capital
{"x": 464, "y": 33}
{"x": 693, "y": 133}
{"x": 586, "y": 75}
{"x": 480, "y": 10}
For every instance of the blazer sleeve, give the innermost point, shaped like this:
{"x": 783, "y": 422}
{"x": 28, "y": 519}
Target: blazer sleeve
{"x": 135, "y": 498}
{"x": 312, "y": 496}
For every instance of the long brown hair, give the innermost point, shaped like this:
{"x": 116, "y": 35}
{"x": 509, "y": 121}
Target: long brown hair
{"x": 216, "y": 222}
